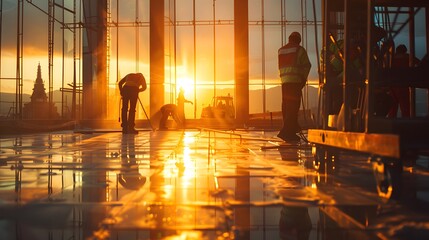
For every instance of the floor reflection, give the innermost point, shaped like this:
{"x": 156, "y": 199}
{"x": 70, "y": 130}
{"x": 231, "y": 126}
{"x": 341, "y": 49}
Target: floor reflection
{"x": 129, "y": 176}
{"x": 197, "y": 185}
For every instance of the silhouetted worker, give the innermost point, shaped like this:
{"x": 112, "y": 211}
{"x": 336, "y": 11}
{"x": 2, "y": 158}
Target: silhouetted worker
{"x": 294, "y": 67}
{"x": 169, "y": 110}
{"x": 334, "y": 69}
{"x": 181, "y": 100}
{"x": 400, "y": 95}
{"x": 129, "y": 87}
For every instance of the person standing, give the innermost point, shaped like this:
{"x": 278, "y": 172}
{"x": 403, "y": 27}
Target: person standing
{"x": 400, "y": 95}
{"x": 294, "y": 67}
{"x": 181, "y": 100}
{"x": 129, "y": 87}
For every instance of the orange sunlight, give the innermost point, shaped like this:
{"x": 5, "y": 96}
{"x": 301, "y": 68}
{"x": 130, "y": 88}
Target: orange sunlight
{"x": 186, "y": 83}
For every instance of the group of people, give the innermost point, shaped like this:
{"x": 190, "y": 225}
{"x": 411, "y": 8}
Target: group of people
{"x": 389, "y": 99}
{"x": 129, "y": 87}
{"x": 177, "y": 112}
{"x": 294, "y": 67}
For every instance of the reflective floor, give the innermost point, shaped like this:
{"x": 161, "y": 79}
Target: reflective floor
{"x": 197, "y": 185}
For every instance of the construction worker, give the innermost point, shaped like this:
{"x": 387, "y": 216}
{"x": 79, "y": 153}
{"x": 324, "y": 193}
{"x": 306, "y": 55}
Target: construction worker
{"x": 400, "y": 95}
{"x": 294, "y": 67}
{"x": 181, "y": 100}
{"x": 169, "y": 110}
{"x": 129, "y": 87}
{"x": 336, "y": 58}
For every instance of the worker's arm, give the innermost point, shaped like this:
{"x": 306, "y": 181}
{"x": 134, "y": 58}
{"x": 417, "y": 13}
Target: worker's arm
{"x": 305, "y": 65}
{"x": 143, "y": 85}
{"x": 121, "y": 84}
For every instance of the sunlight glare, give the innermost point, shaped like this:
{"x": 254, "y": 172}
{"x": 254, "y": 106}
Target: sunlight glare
{"x": 186, "y": 83}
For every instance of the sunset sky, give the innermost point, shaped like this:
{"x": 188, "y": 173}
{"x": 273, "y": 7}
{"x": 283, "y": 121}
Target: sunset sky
{"x": 35, "y": 41}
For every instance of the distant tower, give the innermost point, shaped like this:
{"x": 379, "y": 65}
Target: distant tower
{"x": 39, "y": 107}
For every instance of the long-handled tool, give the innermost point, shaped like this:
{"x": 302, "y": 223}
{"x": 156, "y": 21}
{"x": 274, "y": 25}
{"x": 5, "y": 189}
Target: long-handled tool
{"x": 300, "y": 133}
{"x": 119, "y": 108}
{"x": 141, "y": 104}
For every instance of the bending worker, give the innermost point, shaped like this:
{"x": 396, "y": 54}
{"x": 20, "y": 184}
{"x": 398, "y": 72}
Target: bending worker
{"x": 294, "y": 67}
{"x": 129, "y": 87}
{"x": 169, "y": 110}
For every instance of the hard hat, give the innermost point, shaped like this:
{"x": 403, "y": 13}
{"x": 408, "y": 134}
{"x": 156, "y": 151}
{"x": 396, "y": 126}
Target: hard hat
{"x": 401, "y": 49}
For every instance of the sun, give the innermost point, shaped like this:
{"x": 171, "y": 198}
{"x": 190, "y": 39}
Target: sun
{"x": 186, "y": 83}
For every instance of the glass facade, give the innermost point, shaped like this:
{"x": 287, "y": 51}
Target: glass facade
{"x": 198, "y": 46}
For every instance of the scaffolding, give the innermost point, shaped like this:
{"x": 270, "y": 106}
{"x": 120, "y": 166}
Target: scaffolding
{"x": 74, "y": 24}
{"x": 352, "y": 114}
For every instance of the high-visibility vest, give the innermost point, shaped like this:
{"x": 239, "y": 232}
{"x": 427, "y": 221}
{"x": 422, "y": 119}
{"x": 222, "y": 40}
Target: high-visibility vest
{"x": 294, "y": 64}
{"x": 334, "y": 58}
{"x": 336, "y": 61}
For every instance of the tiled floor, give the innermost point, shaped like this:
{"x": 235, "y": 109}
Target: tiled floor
{"x": 194, "y": 185}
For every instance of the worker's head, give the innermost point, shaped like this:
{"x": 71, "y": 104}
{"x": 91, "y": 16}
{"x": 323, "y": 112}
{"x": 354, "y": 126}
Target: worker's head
{"x": 401, "y": 49}
{"x": 295, "y": 37}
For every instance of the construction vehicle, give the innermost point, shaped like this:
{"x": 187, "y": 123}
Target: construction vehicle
{"x": 350, "y": 117}
{"x": 221, "y": 107}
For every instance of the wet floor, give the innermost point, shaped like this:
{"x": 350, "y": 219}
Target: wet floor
{"x": 197, "y": 185}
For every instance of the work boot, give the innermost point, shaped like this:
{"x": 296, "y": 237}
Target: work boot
{"x": 289, "y": 138}
{"x": 124, "y": 130}
{"x": 280, "y": 135}
{"x": 132, "y": 131}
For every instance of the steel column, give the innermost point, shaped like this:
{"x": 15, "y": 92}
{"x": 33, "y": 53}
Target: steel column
{"x": 156, "y": 56}
{"x": 241, "y": 61}
{"x": 95, "y": 60}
